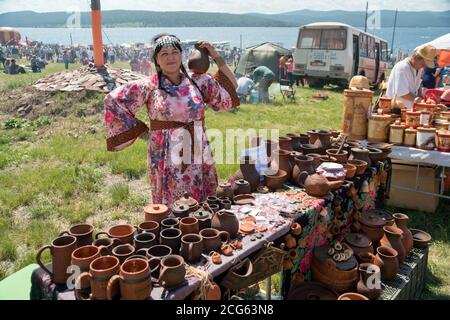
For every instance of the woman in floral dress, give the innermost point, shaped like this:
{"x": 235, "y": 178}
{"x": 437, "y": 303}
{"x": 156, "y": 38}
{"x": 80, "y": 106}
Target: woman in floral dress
{"x": 173, "y": 99}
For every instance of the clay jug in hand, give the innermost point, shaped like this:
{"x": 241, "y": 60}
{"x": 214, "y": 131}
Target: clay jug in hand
{"x": 198, "y": 61}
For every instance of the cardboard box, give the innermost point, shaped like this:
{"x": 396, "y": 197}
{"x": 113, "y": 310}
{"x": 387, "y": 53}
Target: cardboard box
{"x": 404, "y": 175}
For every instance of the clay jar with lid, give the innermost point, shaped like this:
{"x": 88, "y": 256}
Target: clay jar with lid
{"x": 397, "y": 133}
{"x": 412, "y": 119}
{"x": 186, "y": 199}
{"x": 372, "y": 225}
{"x": 426, "y": 138}
{"x": 156, "y": 212}
{"x": 410, "y": 137}
{"x": 444, "y": 141}
{"x": 224, "y": 190}
{"x": 359, "y": 243}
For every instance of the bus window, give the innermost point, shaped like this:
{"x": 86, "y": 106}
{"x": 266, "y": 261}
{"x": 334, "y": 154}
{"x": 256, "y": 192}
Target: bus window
{"x": 333, "y": 39}
{"x": 363, "y": 45}
{"x": 371, "y": 47}
{"x": 309, "y": 39}
{"x": 384, "y": 51}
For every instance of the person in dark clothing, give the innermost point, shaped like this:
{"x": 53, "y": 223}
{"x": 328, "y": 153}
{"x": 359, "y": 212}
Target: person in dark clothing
{"x": 429, "y": 76}
{"x": 263, "y": 77}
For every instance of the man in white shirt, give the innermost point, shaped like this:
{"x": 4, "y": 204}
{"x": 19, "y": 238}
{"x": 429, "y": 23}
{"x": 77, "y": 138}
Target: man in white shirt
{"x": 245, "y": 86}
{"x": 406, "y": 76}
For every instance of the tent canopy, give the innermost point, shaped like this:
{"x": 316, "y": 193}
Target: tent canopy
{"x": 442, "y": 44}
{"x": 265, "y": 54}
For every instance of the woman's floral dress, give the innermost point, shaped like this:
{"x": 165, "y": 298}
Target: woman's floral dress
{"x": 185, "y": 104}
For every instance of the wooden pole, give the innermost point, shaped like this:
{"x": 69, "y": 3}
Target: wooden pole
{"x": 97, "y": 33}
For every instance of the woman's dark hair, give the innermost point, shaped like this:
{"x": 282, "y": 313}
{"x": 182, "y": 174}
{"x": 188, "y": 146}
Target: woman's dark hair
{"x": 175, "y": 42}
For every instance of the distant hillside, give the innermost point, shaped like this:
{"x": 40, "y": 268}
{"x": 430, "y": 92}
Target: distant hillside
{"x": 128, "y": 18}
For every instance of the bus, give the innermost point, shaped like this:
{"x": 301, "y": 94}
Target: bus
{"x": 332, "y": 53}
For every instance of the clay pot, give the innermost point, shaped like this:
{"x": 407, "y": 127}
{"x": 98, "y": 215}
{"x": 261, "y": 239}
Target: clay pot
{"x": 212, "y": 239}
{"x": 302, "y": 164}
{"x": 313, "y": 136}
{"x": 144, "y": 240}
{"x": 158, "y": 251}
{"x": 324, "y": 141}
{"x": 310, "y": 148}
{"x": 311, "y": 290}
{"x": 316, "y": 160}
{"x": 224, "y": 190}
{"x": 369, "y": 284}
{"x": 212, "y": 200}
{"x": 170, "y": 223}
{"x": 198, "y": 61}
{"x": 341, "y": 157}
{"x": 401, "y": 220}
{"x": 204, "y": 219}
{"x": 393, "y": 238}
{"x": 350, "y": 170}
{"x": 386, "y": 149}
{"x": 61, "y": 251}
{"x": 241, "y": 186}
{"x": 372, "y": 225}
{"x": 123, "y": 251}
{"x": 108, "y": 243}
{"x": 248, "y": 172}
{"x": 83, "y": 256}
{"x": 150, "y": 226}
{"x": 383, "y": 214}
{"x": 172, "y": 271}
{"x": 189, "y": 225}
{"x": 386, "y": 259}
{"x": 134, "y": 281}
{"x": 191, "y": 247}
{"x": 361, "y": 154}
{"x": 421, "y": 238}
{"x": 83, "y": 233}
{"x": 277, "y": 180}
{"x": 352, "y": 296}
{"x": 318, "y": 186}
{"x": 296, "y": 229}
{"x": 224, "y": 220}
{"x": 100, "y": 271}
{"x": 225, "y": 204}
{"x": 375, "y": 155}
{"x": 156, "y": 212}
{"x": 290, "y": 242}
{"x": 171, "y": 237}
{"x": 285, "y": 143}
{"x": 181, "y": 211}
{"x": 281, "y": 161}
{"x": 360, "y": 165}
{"x": 359, "y": 243}
{"x": 296, "y": 141}
{"x": 186, "y": 199}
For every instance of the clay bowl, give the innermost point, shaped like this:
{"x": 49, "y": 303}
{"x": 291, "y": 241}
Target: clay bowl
{"x": 244, "y": 199}
{"x": 350, "y": 170}
{"x": 376, "y": 155}
{"x": 360, "y": 165}
{"x": 352, "y": 296}
{"x": 341, "y": 156}
{"x": 386, "y": 148}
{"x": 310, "y": 148}
{"x": 277, "y": 180}
{"x": 420, "y": 238}
{"x": 247, "y": 227}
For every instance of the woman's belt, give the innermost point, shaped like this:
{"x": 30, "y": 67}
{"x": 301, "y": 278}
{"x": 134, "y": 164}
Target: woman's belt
{"x": 190, "y": 126}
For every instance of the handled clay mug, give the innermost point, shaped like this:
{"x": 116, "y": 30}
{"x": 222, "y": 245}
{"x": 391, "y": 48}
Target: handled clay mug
{"x": 170, "y": 223}
{"x": 191, "y": 247}
{"x": 108, "y": 243}
{"x": 171, "y": 237}
{"x": 61, "y": 251}
{"x": 133, "y": 281}
{"x": 83, "y": 233}
{"x": 83, "y": 256}
{"x": 172, "y": 272}
{"x": 212, "y": 239}
{"x": 123, "y": 251}
{"x": 158, "y": 251}
{"x": 123, "y": 232}
{"x": 150, "y": 226}
{"x": 144, "y": 240}
{"x": 189, "y": 225}
{"x": 96, "y": 280}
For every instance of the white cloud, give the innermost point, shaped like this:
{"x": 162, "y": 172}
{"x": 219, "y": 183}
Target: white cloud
{"x": 231, "y": 6}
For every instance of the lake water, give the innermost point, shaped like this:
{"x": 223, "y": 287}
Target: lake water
{"x": 405, "y": 38}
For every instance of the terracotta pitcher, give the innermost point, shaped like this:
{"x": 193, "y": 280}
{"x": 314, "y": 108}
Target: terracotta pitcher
{"x": 123, "y": 251}
{"x": 96, "y": 280}
{"x": 158, "y": 251}
{"x": 369, "y": 283}
{"x": 191, "y": 247}
{"x": 144, "y": 240}
{"x": 401, "y": 220}
{"x": 225, "y": 220}
{"x": 393, "y": 238}
{"x": 133, "y": 281}
{"x": 83, "y": 233}
{"x": 172, "y": 271}
{"x": 324, "y": 141}
{"x": 61, "y": 251}
{"x": 386, "y": 259}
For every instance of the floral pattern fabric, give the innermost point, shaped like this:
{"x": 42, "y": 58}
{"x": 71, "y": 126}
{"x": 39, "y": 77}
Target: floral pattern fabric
{"x": 186, "y": 103}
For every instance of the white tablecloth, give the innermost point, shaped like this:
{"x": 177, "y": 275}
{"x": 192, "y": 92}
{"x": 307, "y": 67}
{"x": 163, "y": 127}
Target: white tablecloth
{"x": 422, "y": 156}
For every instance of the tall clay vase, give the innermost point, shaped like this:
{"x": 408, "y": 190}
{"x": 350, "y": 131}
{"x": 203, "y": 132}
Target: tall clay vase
{"x": 248, "y": 172}
{"x": 369, "y": 283}
{"x": 324, "y": 141}
{"x": 302, "y": 163}
{"x": 281, "y": 160}
{"x": 401, "y": 220}
{"x": 386, "y": 259}
{"x": 393, "y": 238}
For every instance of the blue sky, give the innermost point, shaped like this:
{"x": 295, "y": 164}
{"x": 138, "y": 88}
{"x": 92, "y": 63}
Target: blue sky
{"x": 230, "y": 6}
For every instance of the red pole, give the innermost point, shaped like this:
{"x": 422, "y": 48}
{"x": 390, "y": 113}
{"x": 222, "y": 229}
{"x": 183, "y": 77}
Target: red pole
{"x": 97, "y": 33}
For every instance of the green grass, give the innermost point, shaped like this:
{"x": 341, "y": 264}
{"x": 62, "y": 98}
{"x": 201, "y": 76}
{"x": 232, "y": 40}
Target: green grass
{"x": 55, "y": 171}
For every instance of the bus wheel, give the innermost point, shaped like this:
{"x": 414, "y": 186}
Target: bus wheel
{"x": 315, "y": 83}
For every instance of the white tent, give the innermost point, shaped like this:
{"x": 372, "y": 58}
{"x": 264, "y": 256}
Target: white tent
{"x": 442, "y": 43}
